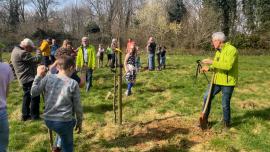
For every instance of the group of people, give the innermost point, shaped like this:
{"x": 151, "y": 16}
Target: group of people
{"x": 161, "y": 55}
{"x": 52, "y": 73}
{"x": 60, "y": 88}
{"x": 57, "y": 81}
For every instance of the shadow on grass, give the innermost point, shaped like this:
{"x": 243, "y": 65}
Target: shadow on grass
{"x": 103, "y": 87}
{"x": 262, "y": 114}
{"x": 176, "y": 86}
{"x": 156, "y": 89}
{"x": 98, "y": 109}
{"x": 153, "y": 134}
{"x": 170, "y": 68}
{"x": 183, "y": 146}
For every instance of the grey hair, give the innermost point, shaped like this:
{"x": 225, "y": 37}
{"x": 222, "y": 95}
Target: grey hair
{"x": 219, "y": 36}
{"x": 27, "y": 42}
{"x": 114, "y": 40}
{"x": 85, "y": 38}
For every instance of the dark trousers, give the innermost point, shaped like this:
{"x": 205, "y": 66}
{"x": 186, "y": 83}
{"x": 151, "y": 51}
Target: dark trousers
{"x": 30, "y": 106}
{"x": 114, "y": 60}
{"x": 158, "y": 61}
{"x": 46, "y": 61}
{"x": 227, "y": 92}
{"x": 89, "y": 79}
{"x": 52, "y": 59}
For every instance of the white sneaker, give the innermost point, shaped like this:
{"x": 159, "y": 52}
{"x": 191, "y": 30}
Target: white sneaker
{"x": 126, "y": 93}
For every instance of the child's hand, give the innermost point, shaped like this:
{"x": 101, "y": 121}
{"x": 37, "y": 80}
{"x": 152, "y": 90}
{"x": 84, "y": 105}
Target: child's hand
{"x": 41, "y": 70}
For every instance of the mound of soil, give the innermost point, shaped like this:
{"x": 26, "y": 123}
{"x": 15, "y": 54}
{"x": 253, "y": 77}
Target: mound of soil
{"x": 170, "y": 133}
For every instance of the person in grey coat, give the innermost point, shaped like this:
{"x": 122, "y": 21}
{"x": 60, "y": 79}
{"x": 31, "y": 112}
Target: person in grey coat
{"x": 25, "y": 68}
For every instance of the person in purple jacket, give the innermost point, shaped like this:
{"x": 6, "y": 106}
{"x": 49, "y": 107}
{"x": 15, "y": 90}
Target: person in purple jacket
{"x": 6, "y": 76}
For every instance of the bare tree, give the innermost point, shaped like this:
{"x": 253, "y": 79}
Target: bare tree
{"x": 42, "y": 8}
{"x": 22, "y": 10}
{"x": 104, "y": 12}
{"x": 75, "y": 18}
{"x": 111, "y": 14}
{"x": 129, "y": 11}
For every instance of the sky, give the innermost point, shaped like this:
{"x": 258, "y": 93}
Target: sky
{"x": 61, "y": 4}
{"x": 67, "y": 2}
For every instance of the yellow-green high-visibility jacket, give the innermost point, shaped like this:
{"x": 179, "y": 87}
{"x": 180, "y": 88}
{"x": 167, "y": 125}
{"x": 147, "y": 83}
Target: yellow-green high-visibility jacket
{"x": 91, "y": 62}
{"x": 225, "y": 66}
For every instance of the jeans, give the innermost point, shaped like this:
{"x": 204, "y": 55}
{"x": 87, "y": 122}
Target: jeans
{"x": 58, "y": 141}
{"x": 151, "y": 61}
{"x": 130, "y": 85}
{"x": 163, "y": 61}
{"x": 4, "y": 130}
{"x": 89, "y": 79}
{"x": 227, "y": 92}
{"x": 158, "y": 60}
{"x": 30, "y": 106}
{"x": 138, "y": 62}
{"x": 114, "y": 60}
{"x": 65, "y": 131}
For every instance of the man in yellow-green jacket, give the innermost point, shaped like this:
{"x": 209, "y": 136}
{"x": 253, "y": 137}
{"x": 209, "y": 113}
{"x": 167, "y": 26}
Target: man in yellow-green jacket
{"x": 225, "y": 68}
{"x": 86, "y": 60}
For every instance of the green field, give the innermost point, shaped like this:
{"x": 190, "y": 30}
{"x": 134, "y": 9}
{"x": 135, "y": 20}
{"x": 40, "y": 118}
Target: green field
{"x": 162, "y": 114}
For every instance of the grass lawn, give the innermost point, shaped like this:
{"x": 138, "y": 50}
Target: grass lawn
{"x": 162, "y": 114}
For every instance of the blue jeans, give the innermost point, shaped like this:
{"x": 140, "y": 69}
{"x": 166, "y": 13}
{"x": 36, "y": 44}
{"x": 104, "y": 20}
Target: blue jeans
{"x": 163, "y": 61}
{"x": 114, "y": 60}
{"x": 138, "y": 62}
{"x": 65, "y": 131}
{"x": 151, "y": 61}
{"x": 4, "y": 130}
{"x": 227, "y": 92}
{"x": 57, "y": 141}
{"x": 89, "y": 79}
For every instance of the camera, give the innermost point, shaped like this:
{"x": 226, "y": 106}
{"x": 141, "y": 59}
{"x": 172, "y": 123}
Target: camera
{"x": 198, "y": 70}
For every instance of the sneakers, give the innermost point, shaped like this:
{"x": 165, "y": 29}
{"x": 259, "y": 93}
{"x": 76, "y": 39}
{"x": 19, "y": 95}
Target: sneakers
{"x": 56, "y": 149}
{"x": 226, "y": 126}
{"x": 128, "y": 93}
{"x": 25, "y": 118}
